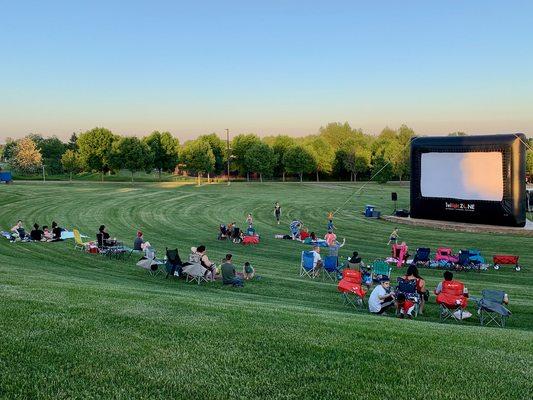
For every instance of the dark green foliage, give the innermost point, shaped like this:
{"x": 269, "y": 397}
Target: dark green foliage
{"x": 239, "y": 147}
{"x": 132, "y": 154}
{"x": 298, "y": 160}
{"x": 165, "y": 151}
{"x": 95, "y": 147}
{"x": 261, "y": 159}
{"x": 218, "y": 147}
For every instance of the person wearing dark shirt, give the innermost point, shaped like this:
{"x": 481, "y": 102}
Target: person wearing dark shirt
{"x": 229, "y": 277}
{"x": 36, "y": 234}
{"x": 105, "y": 237}
{"x": 56, "y": 231}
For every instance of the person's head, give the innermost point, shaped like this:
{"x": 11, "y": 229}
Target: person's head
{"x": 396, "y": 229}
{"x": 277, "y": 203}
{"x": 312, "y": 234}
{"x": 139, "y": 234}
{"x": 330, "y": 231}
{"x": 19, "y": 222}
{"x": 200, "y": 249}
{"x": 385, "y": 282}
{"x": 246, "y": 264}
{"x": 400, "y": 298}
{"x": 229, "y": 257}
{"x": 249, "y": 215}
{"x": 54, "y": 224}
{"x": 101, "y": 229}
{"x": 194, "y": 249}
{"x": 45, "y": 227}
{"x": 412, "y": 270}
{"x": 316, "y": 249}
{"x": 36, "y": 226}
{"x": 448, "y": 276}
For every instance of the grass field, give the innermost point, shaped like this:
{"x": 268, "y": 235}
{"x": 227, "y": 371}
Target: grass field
{"x": 76, "y": 325}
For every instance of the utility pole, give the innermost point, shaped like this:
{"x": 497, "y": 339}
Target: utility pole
{"x": 44, "y": 176}
{"x": 228, "y": 155}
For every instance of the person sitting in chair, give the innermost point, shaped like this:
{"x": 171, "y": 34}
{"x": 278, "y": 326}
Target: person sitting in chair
{"x": 448, "y": 281}
{"x": 139, "y": 244}
{"x": 229, "y": 277}
{"x": 317, "y": 261}
{"x": 103, "y": 237}
{"x": 412, "y": 274}
{"x": 206, "y": 263}
{"x": 36, "y": 234}
{"x": 381, "y": 298}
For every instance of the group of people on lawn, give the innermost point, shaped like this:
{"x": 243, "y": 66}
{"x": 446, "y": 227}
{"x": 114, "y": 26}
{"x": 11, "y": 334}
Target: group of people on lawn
{"x": 37, "y": 234}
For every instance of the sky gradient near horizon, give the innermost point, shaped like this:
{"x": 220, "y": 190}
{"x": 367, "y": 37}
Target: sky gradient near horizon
{"x": 277, "y": 67}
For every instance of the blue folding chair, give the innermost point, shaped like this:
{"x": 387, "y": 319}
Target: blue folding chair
{"x": 331, "y": 270}
{"x": 307, "y": 267}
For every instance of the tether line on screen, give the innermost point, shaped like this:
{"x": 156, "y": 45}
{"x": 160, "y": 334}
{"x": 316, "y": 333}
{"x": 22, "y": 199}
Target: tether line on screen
{"x": 371, "y": 178}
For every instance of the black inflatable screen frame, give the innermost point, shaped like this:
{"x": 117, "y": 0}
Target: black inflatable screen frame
{"x": 510, "y": 211}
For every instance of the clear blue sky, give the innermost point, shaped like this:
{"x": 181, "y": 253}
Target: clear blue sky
{"x": 269, "y": 68}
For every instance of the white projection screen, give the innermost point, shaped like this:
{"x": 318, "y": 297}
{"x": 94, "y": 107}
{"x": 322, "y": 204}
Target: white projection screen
{"x": 466, "y": 176}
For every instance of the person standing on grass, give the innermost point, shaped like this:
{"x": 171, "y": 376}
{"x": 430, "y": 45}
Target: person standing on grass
{"x": 393, "y": 237}
{"x": 277, "y": 211}
{"x": 331, "y": 227}
{"x": 229, "y": 277}
{"x": 381, "y": 298}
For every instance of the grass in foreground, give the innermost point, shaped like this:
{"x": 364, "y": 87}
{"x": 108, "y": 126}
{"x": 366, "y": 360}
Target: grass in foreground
{"x": 75, "y": 325}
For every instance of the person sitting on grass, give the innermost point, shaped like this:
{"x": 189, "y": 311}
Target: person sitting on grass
{"x": 56, "y": 231}
{"x": 37, "y": 233}
{"x": 304, "y": 233}
{"x": 229, "y": 277}
{"x": 381, "y": 298}
{"x": 250, "y": 231}
{"x": 47, "y": 234}
{"x": 248, "y": 271}
{"x": 18, "y": 232}
{"x": 206, "y": 263}
{"x": 405, "y": 306}
{"x": 139, "y": 244}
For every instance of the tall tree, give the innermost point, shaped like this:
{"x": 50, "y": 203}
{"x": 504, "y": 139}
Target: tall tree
{"x": 51, "y": 150}
{"x": 165, "y": 150}
{"x": 240, "y": 144}
{"x": 132, "y": 154}
{"x": 260, "y": 159}
{"x": 199, "y": 158}
{"x": 280, "y": 144}
{"x": 323, "y": 154}
{"x": 298, "y": 160}
{"x": 73, "y": 142}
{"x": 219, "y": 151}
{"x": 337, "y": 134}
{"x": 95, "y": 148}
{"x": 26, "y": 156}
{"x": 9, "y": 149}
{"x": 71, "y": 162}
{"x": 357, "y": 161}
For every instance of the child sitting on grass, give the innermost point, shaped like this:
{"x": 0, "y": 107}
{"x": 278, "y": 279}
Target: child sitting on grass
{"x": 405, "y": 306}
{"x": 248, "y": 272}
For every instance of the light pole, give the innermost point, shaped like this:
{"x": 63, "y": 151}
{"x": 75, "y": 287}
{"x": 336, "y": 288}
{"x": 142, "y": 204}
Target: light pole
{"x": 44, "y": 176}
{"x": 228, "y": 155}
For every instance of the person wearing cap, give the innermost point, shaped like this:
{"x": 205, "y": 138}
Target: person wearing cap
{"x": 381, "y": 298}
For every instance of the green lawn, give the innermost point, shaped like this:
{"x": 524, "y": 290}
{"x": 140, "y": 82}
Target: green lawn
{"x": 76, "y": 325}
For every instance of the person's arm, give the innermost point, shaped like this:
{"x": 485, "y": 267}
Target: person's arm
{"x": 343, "y": 242}
{"x": 438, "y": 289}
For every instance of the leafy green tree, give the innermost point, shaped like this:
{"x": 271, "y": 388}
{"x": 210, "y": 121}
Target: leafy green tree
{"x": 323, "y": 154}
{"x": 165, "y": 150}
{"x": 357, "y": 161}
{"x": 239, "y": 147}
{"x": 339, "y": 169}
{"x": 26, "y": 156}
{"x": 9, "y": 149}
{"x": 337, "y": 134}
{"x": 95, "y": 147}
{"x": 260, "y": 158}
{"x": 132, "y": 154}
{"x": 51, "y": 150}
{"x": 280, "y": 144}
{"x": 298, "y": 160}
{"x": 71, "y": 162}
{"x": 199, "y": 158}
{"x": 219, "y": 151}
{"x": 381, "y": 168}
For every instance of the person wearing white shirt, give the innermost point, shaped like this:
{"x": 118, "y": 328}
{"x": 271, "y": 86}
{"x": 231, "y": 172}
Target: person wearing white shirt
{"x": 317, "y": 261}
{"x": 381, "y": 299}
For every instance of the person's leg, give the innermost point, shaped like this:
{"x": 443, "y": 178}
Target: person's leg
{"x": 236, "y": 281}
{"x": 317, "y": 268}
{"x": 388, "y": 302}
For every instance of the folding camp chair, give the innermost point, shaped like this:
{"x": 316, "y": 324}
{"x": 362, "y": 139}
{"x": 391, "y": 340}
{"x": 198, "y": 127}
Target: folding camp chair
{"x": 491, "y": 308}
{"x": 408, "y": 288}
{"x": 150, "y": 264}
{"x": 307, "y": 265}
{"x": 78, "y": 243}
{"x": 330, "y": 267}
{"x": 351, "y": 289}
{"x": 452, "y": 301}
{"x": 380, "y": 269}
{"x": 422, "y": 255}
{"x": 173, "y": 262}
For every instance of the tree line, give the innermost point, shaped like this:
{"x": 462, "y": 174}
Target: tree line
{"x": 337, "y": 151}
